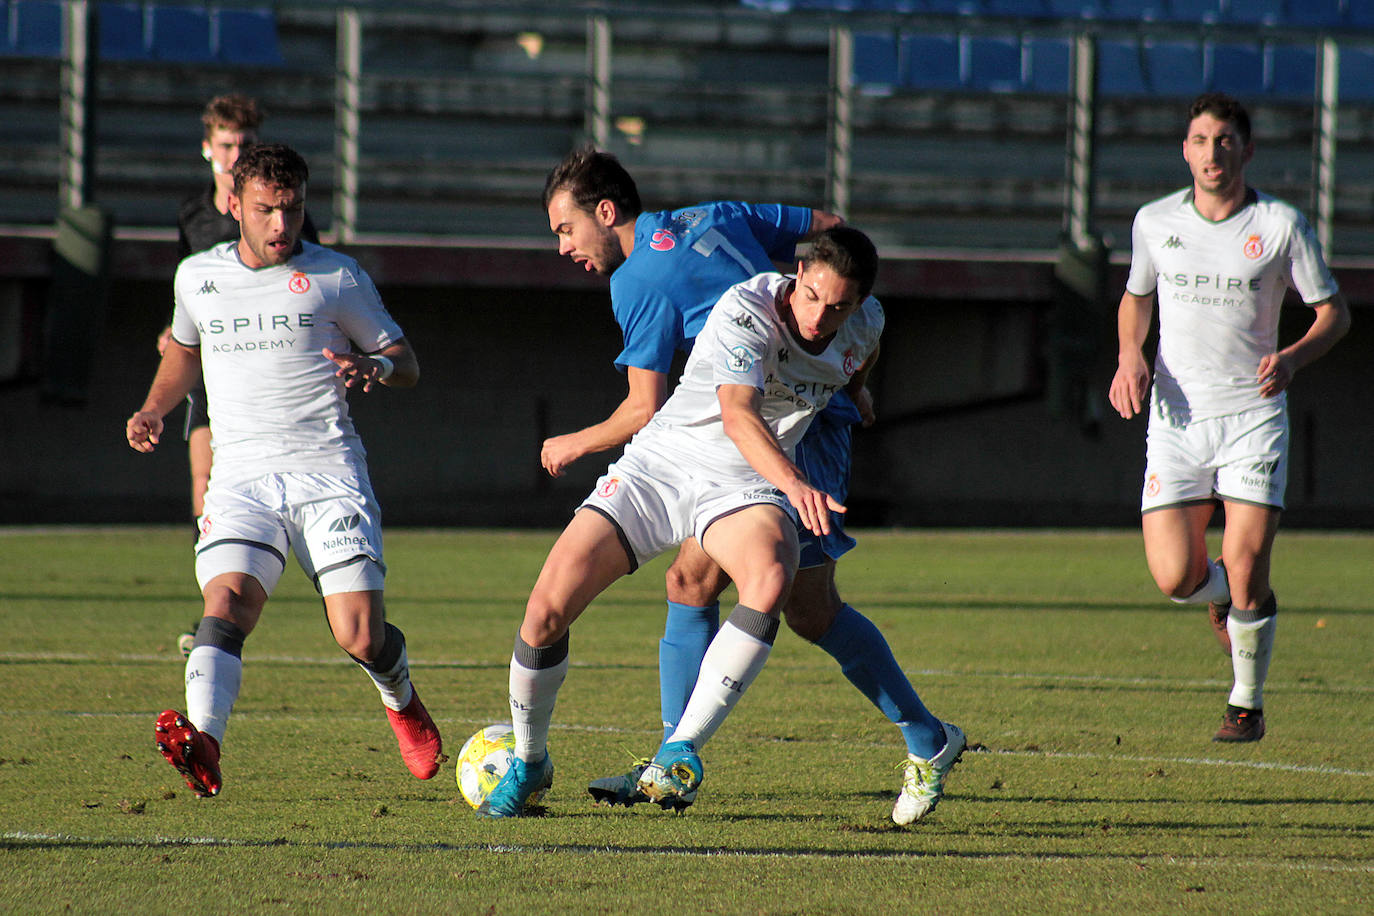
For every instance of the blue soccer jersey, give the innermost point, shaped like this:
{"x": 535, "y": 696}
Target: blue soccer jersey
{"x": 683, "y": 261}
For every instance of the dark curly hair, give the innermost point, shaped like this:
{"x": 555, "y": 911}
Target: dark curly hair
{"x": 1224, "y": 108}
{"x": 274, "y": 164}
{"x": 592, "y": 176}
{"x": 849, "y": 253}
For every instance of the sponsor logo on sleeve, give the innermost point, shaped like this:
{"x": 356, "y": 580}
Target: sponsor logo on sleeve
{"x": 663, "y": 240}
{"x": 741, "y": 360}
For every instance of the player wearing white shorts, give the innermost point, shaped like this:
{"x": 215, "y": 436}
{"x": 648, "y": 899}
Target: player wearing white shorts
{"x": 714, "y": 463}
{"x": 272, "y": 323}
{"x": 1220, "y": 257}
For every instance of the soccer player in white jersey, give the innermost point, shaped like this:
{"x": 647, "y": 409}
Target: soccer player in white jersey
{"x": 1220, "y": 256}
{"x": 280, "y": 328}
{"x": 714, "y": 463}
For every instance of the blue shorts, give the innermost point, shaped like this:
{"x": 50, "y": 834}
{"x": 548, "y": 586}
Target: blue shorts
{"x": 823, "y": 456}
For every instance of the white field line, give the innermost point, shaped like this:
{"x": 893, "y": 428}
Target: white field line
{"x": 1320, "y": 864}
{"x": 1081, "y": 679}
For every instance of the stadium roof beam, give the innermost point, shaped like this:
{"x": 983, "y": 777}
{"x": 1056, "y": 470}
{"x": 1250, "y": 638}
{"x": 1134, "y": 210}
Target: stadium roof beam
{"x": 77, "y": 182}
{"x": 347, "y": 120}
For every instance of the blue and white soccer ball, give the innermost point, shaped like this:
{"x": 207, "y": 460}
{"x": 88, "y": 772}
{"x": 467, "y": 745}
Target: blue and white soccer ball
{"x": 484, "y": 759}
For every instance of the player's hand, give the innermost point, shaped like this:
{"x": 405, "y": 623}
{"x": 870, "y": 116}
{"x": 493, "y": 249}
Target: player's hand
{"x": 863, "y": 399}
{"x": 814, "y": 507}
{"x": 143, "y": 430}
{"x": 1275, "y": 374}
{"x": 557, "y": 453}
{"x": 163, "y": 340}
{"x": 1129, "y": 385}
{"x": 355, "y": 368}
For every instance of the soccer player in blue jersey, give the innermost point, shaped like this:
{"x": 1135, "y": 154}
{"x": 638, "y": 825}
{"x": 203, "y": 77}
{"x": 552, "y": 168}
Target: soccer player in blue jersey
{"x": 667, "y": 270}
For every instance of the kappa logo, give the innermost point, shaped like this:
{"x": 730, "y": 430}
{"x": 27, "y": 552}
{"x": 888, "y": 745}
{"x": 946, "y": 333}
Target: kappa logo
{"x": 743, "y": 320}
{"x": 300, "y": 283}
{"x": 1254, "y": 248}
{"x": 1173, "y": 241}
{"x": 783, "y": 354}
{"x": 347, "y": 523}
{"x": 663, "y": 240}
{"x": 207, "y": 287}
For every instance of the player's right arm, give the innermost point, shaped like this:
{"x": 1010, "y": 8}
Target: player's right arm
{"x": 1132, "y": 380}
{"x": 648, "y": 390}
{"x": 821, "y": 220}
{"x": 176, "y": 374}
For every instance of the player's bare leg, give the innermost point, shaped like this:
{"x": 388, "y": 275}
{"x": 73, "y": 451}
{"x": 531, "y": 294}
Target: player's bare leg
{"x": 214, "y": 674}
{"x": 358, "y": 622}
{"x": 1176, "y": 551}
{"x": 587, "y": 557}
{"x": 1247, "y": 546}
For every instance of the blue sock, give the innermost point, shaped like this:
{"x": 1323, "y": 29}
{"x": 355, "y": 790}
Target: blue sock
{"x": 867, "y": 661}
{"x": 686, "y": 634}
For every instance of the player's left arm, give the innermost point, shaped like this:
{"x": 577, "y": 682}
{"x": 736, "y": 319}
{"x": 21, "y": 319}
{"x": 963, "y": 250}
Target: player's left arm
{"x": 176, "y": 374}
{"x": 395, "y": 366}
{"x": 858, "y": 392}
{"x": 744, "y": 424}
{"x": 821, "y": 220}
{"x": 1332, "y": 321}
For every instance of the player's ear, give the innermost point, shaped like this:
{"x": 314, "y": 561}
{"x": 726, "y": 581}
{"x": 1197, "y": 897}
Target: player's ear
{"x": 205, "y": 152}
{"x": 607, "y": 213}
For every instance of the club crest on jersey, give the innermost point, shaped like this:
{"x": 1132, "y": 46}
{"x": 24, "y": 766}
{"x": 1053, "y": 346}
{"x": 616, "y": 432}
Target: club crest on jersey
{"x": 663, "y": 240}
{"x": 741, "y": 360}
{"x": 849, "y": 365}
{"x": 299, "y": 283}
{"x": 607, "y": 487}
{"x": 1152, "y": 486}
{"x": 1254, "y": 248}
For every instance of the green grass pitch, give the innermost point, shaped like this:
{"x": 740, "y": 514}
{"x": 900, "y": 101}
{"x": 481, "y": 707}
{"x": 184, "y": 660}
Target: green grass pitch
{"x": 1091, "y": 783}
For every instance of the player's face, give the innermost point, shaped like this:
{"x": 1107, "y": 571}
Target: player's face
{"x": 223, "y": 146}
{"x": 821, "y": 300}
{"x": 270, "y": 220}
{"x": 1216, "y": 154}
{"x": 587, "y": 238}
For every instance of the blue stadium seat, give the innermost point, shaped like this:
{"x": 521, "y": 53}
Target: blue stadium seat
{"x": 1050, "y": 62}
{"x": 248, "y": 37}
{"x": 1293, "y": 71}
{"x": 1357, "y": 73}
{"x": 1314, "y": 12}
{"x": 1194, "y": 10}
{"x": 121, "y": 32}
{"x": 181, "y": 34}
{"x": 1262, "y": 12}
{"x": 1025, "y": 8}
{"x": 993, "y": 62}
{"x": 875, "y": 59}
{"x": 36, "y": 28}
{"x": 931, "y": 61}
{"x": 1119, "y": 70}
{"x": 1360, "y": 13}
{"x": 1133, "y": 9}
{"x": 1236, "y": 69}
{"x": 1175, "y": 68}
{"x": 1075, "y": 9}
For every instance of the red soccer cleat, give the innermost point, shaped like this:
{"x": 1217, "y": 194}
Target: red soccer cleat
{"x": 421, "y": 747}
{"x": 194, "y": 753}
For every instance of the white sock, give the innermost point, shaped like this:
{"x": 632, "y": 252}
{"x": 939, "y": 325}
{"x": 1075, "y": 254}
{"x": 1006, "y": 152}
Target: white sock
{"x": 1252, "y": 644}
{"x": 213, "y": 678}
{"x": 533, "y": 692}
{"x": 733, "y": 659}
{"x": 394, "y": 682}
{"x": 1215, "y": 589}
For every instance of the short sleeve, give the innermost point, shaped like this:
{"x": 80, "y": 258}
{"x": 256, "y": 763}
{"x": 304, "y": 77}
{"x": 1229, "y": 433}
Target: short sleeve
{"x": 1143, "y": 278}
{"x": 361, "y": 314}
{"x": 651, "y": 326}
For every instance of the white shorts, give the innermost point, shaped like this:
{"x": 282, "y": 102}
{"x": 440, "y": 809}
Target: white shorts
{"x": 656, "y": 505}
{"x": 1239, "y": 457}
{"x": 333, "y": 525}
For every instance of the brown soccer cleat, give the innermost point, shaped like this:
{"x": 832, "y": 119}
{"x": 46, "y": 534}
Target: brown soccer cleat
{"x": 1217, "y": 614}
{"x": 421, "y": 747}
{"x": 194, "y": 753}
{"x": 1240, "y": 724}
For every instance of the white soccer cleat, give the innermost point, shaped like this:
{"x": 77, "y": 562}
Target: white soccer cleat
{"x": 923, "y": 781}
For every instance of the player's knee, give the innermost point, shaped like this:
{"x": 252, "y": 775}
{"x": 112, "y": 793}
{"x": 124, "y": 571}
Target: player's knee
{"x": 766, "y": 587}
{"x": 693, "y": 588}
{"x": 810, "y": 614}
{"x": 546, "y": 620}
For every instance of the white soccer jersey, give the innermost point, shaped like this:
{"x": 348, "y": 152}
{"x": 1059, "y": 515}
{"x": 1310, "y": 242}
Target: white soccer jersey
{"x": 746, "y": 342}
{"x": 1221, "y": 285}
{"x": 275, "y": 403}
